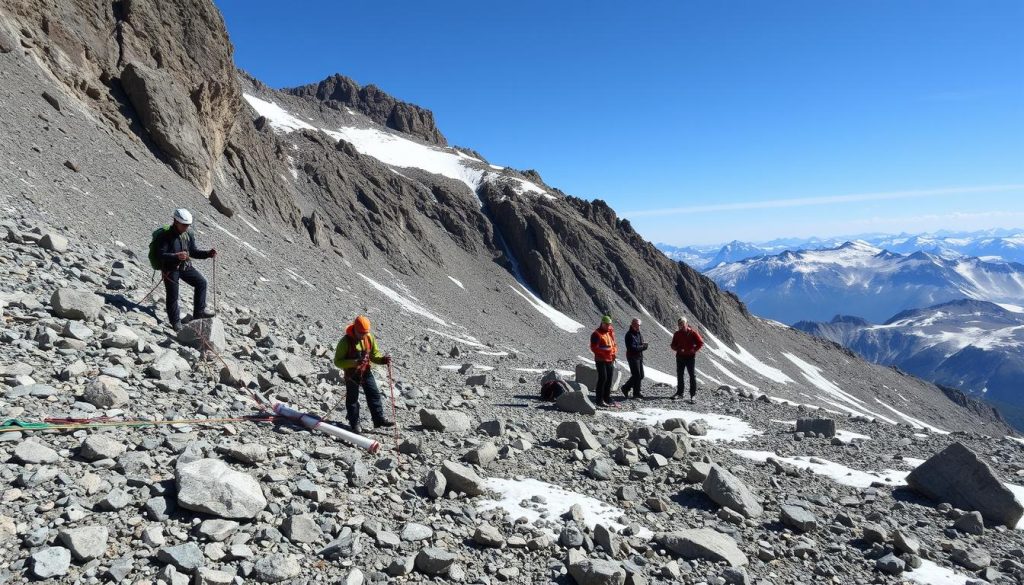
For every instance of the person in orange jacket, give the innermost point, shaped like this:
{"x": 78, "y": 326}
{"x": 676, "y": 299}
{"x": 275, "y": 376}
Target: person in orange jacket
{"x": 354, "y": 355}
{"x": 686, "y": 342}
{"x": 604, "y": 347}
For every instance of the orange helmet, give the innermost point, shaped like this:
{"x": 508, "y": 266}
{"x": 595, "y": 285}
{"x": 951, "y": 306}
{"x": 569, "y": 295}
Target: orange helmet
{"x": 361, "y": 324}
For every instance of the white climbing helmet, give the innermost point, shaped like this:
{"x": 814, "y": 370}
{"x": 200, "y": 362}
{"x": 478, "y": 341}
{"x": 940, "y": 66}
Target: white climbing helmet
{"x": 183, "y": 216}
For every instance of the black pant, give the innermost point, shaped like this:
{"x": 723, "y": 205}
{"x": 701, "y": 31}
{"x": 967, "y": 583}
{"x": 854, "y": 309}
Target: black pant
{"x": 192, "y": 277}
{"x": 636, "y": 375}
{"x": 605, "y": 372}
{"x": 684, "y": 363}
{"x": 373, "y": 400}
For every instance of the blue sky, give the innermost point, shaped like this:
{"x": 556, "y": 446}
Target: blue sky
{"x": 702, "y": 122}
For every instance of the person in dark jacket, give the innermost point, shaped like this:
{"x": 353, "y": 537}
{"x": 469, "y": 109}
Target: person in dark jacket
{"x": 177, "y": 249}
{"x": 353, "y": 355}
{"x": 686, "y": 342}
{"x": 635, "y": 348}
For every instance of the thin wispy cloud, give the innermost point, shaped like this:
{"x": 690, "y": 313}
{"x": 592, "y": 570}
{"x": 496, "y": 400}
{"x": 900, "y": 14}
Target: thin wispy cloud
{"x": 825, "y": 200}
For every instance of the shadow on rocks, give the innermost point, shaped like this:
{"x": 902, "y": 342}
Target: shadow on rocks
{"x": 694, "y": 498}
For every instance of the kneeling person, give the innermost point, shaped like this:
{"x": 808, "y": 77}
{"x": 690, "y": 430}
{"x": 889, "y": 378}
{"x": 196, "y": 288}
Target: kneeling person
{"x": 354, "y": 355}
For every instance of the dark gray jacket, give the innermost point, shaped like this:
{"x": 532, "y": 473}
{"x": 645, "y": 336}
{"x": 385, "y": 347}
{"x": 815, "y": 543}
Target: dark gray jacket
{"x": 173, "y": 243}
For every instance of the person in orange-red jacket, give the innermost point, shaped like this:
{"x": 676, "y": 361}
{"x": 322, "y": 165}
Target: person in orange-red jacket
{"x": 686, "y": 342}
{"x": 604, "y": 347}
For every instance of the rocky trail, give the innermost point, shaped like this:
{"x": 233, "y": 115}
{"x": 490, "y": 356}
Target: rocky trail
{"x": 488, "y": 484}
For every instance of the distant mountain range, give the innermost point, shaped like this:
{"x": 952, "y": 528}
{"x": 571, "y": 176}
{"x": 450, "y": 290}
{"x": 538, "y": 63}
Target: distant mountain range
{"x": 859, "y": 279}
{"x": 997, "y": 244}
{"x": 973, "y": 346}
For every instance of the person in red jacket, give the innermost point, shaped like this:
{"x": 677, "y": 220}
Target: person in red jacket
{"x": 604, "y": 347}
{"x": 686, "y": 342}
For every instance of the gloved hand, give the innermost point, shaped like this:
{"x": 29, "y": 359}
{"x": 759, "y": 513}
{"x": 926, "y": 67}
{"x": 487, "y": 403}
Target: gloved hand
{"x": 183, "y": 255}
{"x": 363, "y": 367}
{"x": 213, "y": 253}
{"x": 644, "y": 347}
{"x": 387, "y": 360}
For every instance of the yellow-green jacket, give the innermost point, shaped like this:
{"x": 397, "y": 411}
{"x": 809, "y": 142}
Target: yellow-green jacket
{"x": 349, "y": 352}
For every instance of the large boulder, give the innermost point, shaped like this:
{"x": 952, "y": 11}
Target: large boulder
{"x": 818, "y": 426}
{"x": 586, "y": 571}
{"x": 587, "y": 375}
{"x": 204, "y": 334}
{"x": 578, "y": 432}
{"x": 670, "y": 445}
{"x": 80, "y": 305}
{"x": 53, "y": 242}
{"x": 446, "y": 421}
{"x": 703, "y": 543}
{"x": 575, "y": 401}
{"x": 86, "y": 543}
{"x": 459, "y": 478}
{"x": 293, "y": 368}
{"x": 105, "y": 392}
{"x": 210, "y": 486}
{"x": 725, "y": 489}
{"x": 122, "y": 337}
{"x": 957, "y": 475}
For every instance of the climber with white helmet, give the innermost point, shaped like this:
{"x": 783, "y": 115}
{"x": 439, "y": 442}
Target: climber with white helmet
{"x": 175, "y": 247}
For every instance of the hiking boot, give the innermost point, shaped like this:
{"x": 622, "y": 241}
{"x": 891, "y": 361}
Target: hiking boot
{"x": 638, "y": 395}
{"x": 176, "y": 327}
{"x": 204, "y": 314}
{"x": 601, "y": 404}
{"x": 675, "y": 396}
{"x": 383, "y": 424}
{"x": 355, "y": 428}
{"x": 625, "y": 391}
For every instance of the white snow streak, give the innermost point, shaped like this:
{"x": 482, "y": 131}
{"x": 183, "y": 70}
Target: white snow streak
{"x": 457, "y": 282}
{"x": 560, "y": 320}
{"x": 403, "y": 302}
{"x": 853, "y": 404}
{"x": 917, "y": 423}
{"x": 931, "y": 574}
{"x": 836, "y": 471}
{"x": 721, "y": 427}
{"x": 556, "y": 501}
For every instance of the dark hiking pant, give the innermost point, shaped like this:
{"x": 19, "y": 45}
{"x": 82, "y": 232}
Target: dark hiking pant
{"x": 192, "y": 277}
{"x": 686, "y": 363}
{"x": 636, "y": 375}
{"x": 373, "y": 398}
{"x": 605, "y": 373}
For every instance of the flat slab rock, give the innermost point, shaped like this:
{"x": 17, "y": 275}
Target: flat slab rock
{"x": 209, "y": 485}
{"x": 703, "y": 543}
{"x": 957, "y": 475}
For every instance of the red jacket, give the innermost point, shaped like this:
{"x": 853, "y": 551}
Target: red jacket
{"x": 603, "y": 344}
{"x": 687, "y": 342}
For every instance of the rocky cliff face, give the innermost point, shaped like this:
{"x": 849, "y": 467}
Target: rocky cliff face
{"x": 161, "y": 70}
{"x": 338, "y": 91}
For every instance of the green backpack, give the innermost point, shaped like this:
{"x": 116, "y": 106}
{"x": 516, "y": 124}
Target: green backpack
{"x": 155, "y": 260}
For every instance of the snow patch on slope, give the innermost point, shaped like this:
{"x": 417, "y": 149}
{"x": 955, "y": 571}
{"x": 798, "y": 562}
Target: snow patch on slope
{"x": 560, "y": 320}
{"x": 403, "y": 302}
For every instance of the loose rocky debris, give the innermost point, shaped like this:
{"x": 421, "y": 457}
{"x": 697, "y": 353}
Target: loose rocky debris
{"x": 603, "y": 499}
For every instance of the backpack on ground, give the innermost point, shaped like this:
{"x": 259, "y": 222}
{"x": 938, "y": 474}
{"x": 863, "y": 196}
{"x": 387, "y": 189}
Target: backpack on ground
{"x": 552, "y": 389}
{"x": 155, "y": 259}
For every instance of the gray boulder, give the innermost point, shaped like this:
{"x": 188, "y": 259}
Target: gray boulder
{"x": 587, "y": 375}
{"x": 957, "y": 475}
{"x": 818, "y": 426}
{"x": 586, "y": 571}
{"x": 122, "y": 337}
{"x": 670, "y": 445}
{"x": 725, "y": 489}
{"x": 798, "y": 518}
{"x": 276, "y": 568}
{"x": 50, "y": 562}
{"x": 80, "y": 305}
{"x": 86, "y": 543}
{"x": 459, "y": 478}
{"x": 483, "y": 455}
{"x": 34, "y": 451}
{"x": 434, "y": 561}
{"x": 105, "y": 392}
{"x": 53, "y": 242}
{"x": 578, "y": 432}
{"x": 99, "y": 446}
{"x": 204, "y": 334}
{"x": 447, "y": 421}
{"x": 575, "y": 402}
{"x": 294, "y": 368}
{"x": 185, "y": 557}
{"x": 210, "y": 486}
{"x": 703, "y": 543}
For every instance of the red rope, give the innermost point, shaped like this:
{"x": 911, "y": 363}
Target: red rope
{"x": 394, "y": 417}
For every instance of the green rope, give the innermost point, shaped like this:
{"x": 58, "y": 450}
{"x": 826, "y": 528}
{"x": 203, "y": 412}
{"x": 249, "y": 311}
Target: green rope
{"x": 24, "y": 424}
